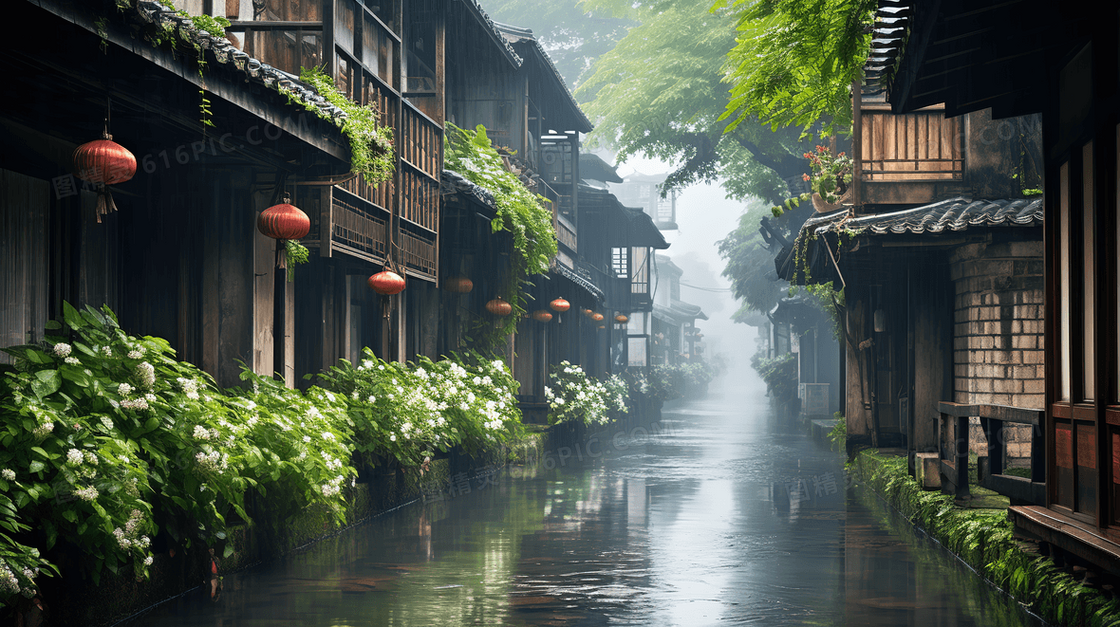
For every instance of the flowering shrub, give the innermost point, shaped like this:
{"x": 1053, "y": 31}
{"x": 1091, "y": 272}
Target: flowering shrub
{"x": 106, "y": 438}
{"x": 575, "y": 397}
{"x": 407, "y": 412}
{"x": 666, "y": 382}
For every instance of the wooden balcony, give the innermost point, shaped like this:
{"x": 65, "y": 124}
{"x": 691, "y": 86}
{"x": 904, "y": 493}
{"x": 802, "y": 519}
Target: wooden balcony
{"x": 908, "y": 159}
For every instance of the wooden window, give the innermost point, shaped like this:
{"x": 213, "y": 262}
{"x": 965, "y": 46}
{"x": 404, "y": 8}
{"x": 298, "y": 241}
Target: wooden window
{"x": 620, "y": 262}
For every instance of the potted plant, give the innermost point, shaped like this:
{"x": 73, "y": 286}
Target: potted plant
{"x": 832, "y": 176}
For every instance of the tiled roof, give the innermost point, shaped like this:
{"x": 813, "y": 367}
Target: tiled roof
{"x": 452, "y": 182}
{"x": 575, "y": 276}
{"x": 955, "y": 214}
{"x": 518, "y": 35}
{"x": 495, "y": 31}
{"x": 227, "y": 54}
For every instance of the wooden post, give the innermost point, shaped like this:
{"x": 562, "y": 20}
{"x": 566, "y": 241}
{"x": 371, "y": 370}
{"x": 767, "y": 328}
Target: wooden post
{"x": 962, "y": 457}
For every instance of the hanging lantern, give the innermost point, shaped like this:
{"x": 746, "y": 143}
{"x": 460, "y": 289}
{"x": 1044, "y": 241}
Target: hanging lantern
{"x": 104, "y": 162}
{"x": 597, "y": 317}
{"x": 560, "y": 305}
{"x": 387, "y": 282}
{"x": 458, "y": 285}
{"x": 499, "y": 307}
{"x": 621, "y": 319}
{"x": 284, "y": 221}
{"x": 542, "y": 316}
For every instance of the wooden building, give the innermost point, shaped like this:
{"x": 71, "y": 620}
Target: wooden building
{"x": 182, "y": 258}
{"x": 939, "y": 257}
{"x": 675, "y": 334}
{"x": 1062, "y": 61}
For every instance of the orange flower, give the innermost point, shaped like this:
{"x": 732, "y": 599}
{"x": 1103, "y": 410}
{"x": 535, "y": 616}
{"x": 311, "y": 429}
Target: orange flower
{"x": 805, "y": 176}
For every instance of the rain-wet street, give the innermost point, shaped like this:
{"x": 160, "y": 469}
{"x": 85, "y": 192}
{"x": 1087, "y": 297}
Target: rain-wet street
{"x": 721, "y": 516}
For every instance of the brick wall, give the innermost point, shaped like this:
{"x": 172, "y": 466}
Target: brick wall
{"x": 998, "y": 325}
{"x": 997, "y": 332}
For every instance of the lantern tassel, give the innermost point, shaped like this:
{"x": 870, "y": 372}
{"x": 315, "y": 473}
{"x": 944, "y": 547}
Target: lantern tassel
{"x": 105, "y": 204}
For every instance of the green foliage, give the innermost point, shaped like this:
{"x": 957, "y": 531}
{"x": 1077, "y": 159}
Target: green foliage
{"x": 408, "y": 411}
{"x": 660, "y": 93}
{"x": 575, "y": 397}
{"x": 296, "y": 254}
{"x": 371, "y": 144}
{"x": 666, "y": 382}
{"x": 749, "y": 263}
{"x": 572, "y": 38}
{"x": 520, "y": 212}
{"x": 794, "y": 61}
{"x": 838, "y": 435}
{"x": 780, "y": 376}
{"x": 106, "y": 438}
{"x": 984, "y": 539}
{"x": 831, "y": 174}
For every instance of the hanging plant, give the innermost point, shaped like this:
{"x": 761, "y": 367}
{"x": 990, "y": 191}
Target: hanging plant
{"x": 295, "y": 254}
{"x": 518, "y": 211}
{"x": 371, "y": 144}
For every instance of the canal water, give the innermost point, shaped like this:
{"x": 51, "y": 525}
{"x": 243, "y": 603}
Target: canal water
{"x": 716, "y": 515}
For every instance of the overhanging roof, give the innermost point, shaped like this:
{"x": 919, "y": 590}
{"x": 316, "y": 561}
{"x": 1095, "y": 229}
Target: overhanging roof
{"x": 966, "y": 54}
{"x": 566, "y": 116}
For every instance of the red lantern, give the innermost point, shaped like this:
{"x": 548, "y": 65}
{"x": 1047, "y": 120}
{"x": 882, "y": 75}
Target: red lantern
{"x": 458, "y": 285}
{"x": 560, "y": 305}
{"x": 621, "y": 319}
{"x": 542, "y": 316}
{"x": 387, "y": 282}
{"x": 104, "y": 162}
{"x": 499, "y": 307}
{"x": 596, "y": 317}
{"x": 587, "y": 312}
{"x": 284, "y": 221}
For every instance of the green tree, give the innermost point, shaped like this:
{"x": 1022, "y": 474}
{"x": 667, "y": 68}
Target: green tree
{"x": 573, "y": 39}
{"x": 794, "y": 61}
{"x": 660, "y": 93}
{"x": 750, "y": 258}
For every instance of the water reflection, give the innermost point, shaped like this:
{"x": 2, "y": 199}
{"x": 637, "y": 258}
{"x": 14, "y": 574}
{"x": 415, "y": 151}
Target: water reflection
{"x": 720, "y": 518}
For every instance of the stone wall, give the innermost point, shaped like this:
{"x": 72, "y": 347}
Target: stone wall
{"x": 997, "y": 331}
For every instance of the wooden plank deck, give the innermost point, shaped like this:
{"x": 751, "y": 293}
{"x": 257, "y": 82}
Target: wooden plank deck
{"x": 1073, "y": 536}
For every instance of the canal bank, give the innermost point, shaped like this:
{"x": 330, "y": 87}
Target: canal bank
{"x": 718, "y": 514}
{"x": 982, "y": 537}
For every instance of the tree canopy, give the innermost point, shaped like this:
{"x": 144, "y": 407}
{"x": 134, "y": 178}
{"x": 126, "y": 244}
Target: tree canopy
{"x": 794, "y": 61}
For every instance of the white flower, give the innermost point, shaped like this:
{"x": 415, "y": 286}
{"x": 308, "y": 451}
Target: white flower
{"x": 73, "y": 361}
{"x": 327, "y": 435}
{"x": 42, "y": 430}
{"x": 137, "y": 404}
{"x": 146, "y": 373}
{"x": 8, "y": 474}
{"x": 124, "y": 389}
{"x": 136, "y": 353}
{"x": 62, "y": 349}
{"x": 74, "y": 457}
{"x": 124, "y": 460}
{"x": 108, "y": 352}
{"x": 393, "y": 438}
{"x": 87, "y": 494}
{"x": 91, "y": 458}
{"x": 201, "y": 432}
{"x": 148, "y": 561}
{"x": 371, "y": 399}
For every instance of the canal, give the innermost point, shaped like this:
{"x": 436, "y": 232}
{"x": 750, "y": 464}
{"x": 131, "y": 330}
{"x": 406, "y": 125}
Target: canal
{"x": 721, "y": 516}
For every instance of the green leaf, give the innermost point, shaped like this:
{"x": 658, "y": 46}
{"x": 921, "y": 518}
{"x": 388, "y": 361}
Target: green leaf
{"x": 228, "y": 551}
{"x": 72, "y": 317}
{"x": 45, "y": 383}
{"x": 35, "y": 467}
{"x": 70, "y": 515}
{"x": 41, "y": 452}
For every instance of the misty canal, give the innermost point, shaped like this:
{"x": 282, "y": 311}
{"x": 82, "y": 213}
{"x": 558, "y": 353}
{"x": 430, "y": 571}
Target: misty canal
{"x": 721, "y": 517}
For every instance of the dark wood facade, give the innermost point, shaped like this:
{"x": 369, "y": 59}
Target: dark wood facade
{"x": 1066, "y": 66}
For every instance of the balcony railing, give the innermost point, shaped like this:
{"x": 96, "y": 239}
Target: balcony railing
{"x": 921, "y": 146}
